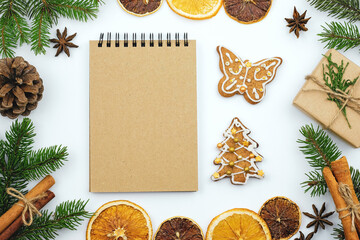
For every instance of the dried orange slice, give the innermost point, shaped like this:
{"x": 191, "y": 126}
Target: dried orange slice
{"x": 119, "y": 220}
{"x": 238, "y": 223}
{"x": 247, "y": 11}
{"x": 140, "y": 8}
{"x": 195, "y": 9}
{"x": 282, "y": 216}
{"x": 179, "y": 228}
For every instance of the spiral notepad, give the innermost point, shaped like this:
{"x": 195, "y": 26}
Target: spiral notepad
{"x": 143, "y": 113}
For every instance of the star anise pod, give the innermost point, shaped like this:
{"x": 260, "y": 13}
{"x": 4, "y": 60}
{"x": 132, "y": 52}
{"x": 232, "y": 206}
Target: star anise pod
{"x": 63, "y": 43}
{"x": 302, "y": 236}
{"x": 319, "y": 218}
{"x": 297, "y": 23}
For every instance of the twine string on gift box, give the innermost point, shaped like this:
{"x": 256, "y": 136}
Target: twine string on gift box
{"x": 28, "y": 205}
{"x": 347, "y": 99}
{"x": 354, "y": 209}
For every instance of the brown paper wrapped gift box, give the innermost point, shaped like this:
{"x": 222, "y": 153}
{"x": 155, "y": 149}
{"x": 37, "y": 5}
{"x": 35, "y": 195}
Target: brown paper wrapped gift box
{"x": 315, "y": 103}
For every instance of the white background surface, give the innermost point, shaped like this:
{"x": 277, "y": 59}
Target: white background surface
{"x": 62, "y": 115}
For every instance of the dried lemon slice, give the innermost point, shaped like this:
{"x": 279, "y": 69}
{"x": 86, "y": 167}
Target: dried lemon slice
{"x": 198, "y": 9}
{"x": 119, "y": 220}
{"x": 140, "y": 8}
{"x": 282, "y": 216}
{"x": 238, "y": 223}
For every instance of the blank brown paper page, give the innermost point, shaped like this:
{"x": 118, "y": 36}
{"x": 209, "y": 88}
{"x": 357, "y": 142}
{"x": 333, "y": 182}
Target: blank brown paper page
{"x": 143, "y": 118}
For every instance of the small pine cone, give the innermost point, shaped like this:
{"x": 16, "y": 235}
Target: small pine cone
{"x": 21, "y": 87}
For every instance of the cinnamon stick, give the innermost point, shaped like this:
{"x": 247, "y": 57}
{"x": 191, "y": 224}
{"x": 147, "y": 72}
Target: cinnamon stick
{"x": 341, "y": 171}
{"x": 39, "y": 204}
{"x": 340, "y": 204}
{"x": 14, "y": 212}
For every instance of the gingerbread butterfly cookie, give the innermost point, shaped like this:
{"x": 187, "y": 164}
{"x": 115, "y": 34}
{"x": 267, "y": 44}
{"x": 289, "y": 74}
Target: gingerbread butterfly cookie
{"x": 237, "y": 158}
{"x": 245, "y": 78}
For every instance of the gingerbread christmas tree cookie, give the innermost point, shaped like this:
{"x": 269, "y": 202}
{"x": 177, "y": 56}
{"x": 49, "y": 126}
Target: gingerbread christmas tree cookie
{"x": 245, "y": 78}
{"x": 238, "y": 157}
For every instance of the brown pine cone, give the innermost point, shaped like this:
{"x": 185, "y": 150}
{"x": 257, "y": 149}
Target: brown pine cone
{"x": 20, "y": 87}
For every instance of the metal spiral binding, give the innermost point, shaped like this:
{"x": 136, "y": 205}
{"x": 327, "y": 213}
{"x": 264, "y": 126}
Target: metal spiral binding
{"x": 168, "y": 39}
{"x": 151, "y": 40}
{"x": 126, "y": 39}
{"x": 134, "y": 40}
{"x": 117, "y": 39}
{"x": 143, "y": 40}
{"x": 177, "y": 39}
{"x": 160, "y": 42}
{"x": 101, "y": 40}
{"x": 186, "y": 40}
{"x": 108, "y": 40}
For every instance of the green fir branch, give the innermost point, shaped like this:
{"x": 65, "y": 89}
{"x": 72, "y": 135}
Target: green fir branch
{"x": 43, "y": 14}
{"x": 14, "y": 12}
{"x": 318, "y": 147}
{"x": 19, "y": 164}
{"x": 67, "y": 215}
{"x": 8, "y": 41}
{"x": 19, "y": 141}
{"x": 341, "y": 36}
{"x": 42, "y": 162}
{"x": 18, "y": 144}
{"x": 316, "y": 183}
{"x": 338, "y": 232}
{"x": 81, "y": 10}
{"x": 320, "y": 151}
{"x": 40, "y": 31}
{"x": 341, "y": 9}
{"x": 355, "y": 176}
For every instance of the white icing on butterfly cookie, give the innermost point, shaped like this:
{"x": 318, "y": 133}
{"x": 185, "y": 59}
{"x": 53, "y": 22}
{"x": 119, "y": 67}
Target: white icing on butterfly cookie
{"x": 251, "y": 77}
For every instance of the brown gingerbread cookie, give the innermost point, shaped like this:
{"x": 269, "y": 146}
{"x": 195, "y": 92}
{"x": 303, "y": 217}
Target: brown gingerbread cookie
{"x": 245, "y": 78}
{"x": 238, "y": 157}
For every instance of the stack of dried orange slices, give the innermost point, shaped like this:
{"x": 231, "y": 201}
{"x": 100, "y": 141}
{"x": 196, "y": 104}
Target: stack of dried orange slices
{"x": 243, "y": 11}
{"x": 278, "y": 219}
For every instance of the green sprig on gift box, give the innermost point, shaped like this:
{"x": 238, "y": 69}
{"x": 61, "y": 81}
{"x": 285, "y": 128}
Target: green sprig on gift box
{"x": 15, "y": 29}
{"x": 333, "y": 75}
{"x": 20, "y": 164}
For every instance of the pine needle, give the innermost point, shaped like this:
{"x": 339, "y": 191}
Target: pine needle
{"x": 341, "y": 36}
{"x": 341, "y": 9}
{"x": 318, "y": 147}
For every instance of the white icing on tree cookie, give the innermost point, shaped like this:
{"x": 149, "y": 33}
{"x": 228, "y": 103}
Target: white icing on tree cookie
{"x": 238, "y": 156}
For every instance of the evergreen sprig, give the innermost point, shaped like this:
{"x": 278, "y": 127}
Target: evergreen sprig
{"x": 69, "y": 215}
{"x": 42, "y": 14}
{"x": 19, "y": 164}
{"x": 318, "y": 147}
{"x": 338, "y": 233}
{"x": 341, "y": 9}
{"x": 320, "y": 151}
{"x": 341, "y": 36}
{"x": 334, "y": 79}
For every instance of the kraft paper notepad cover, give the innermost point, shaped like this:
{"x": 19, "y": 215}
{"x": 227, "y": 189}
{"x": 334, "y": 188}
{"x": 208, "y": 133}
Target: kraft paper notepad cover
{"x": 143, "y": 118}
